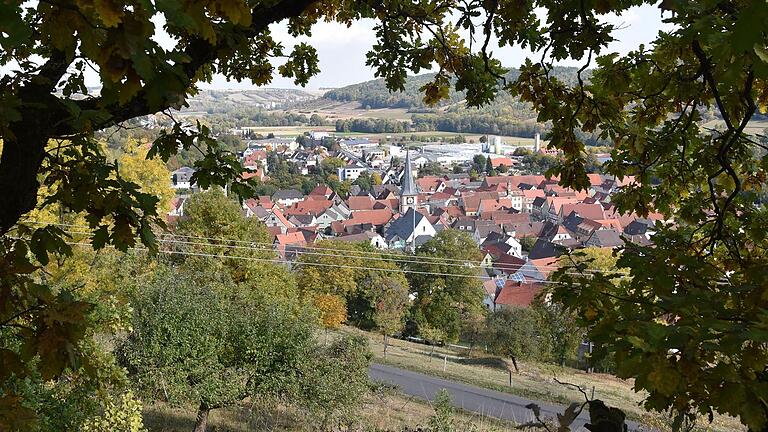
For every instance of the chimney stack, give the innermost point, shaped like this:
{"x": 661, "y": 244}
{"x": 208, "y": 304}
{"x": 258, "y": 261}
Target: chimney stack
{"x": 537, "y": 142}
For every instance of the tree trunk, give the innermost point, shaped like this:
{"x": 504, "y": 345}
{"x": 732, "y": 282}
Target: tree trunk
{"x": 201, "y": 424}
{"x": 23, "y": 152}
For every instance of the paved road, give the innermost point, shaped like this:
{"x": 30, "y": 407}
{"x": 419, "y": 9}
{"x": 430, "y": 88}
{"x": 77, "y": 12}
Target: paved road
{"x": 471, "y": 398}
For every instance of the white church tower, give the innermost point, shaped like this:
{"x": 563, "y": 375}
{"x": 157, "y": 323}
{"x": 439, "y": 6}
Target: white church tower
{"x": 409, "y": 192}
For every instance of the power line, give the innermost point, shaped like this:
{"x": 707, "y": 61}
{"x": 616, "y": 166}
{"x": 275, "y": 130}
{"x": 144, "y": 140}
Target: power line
{"x": 272, "y": 247}
{"x": 416, "y": 259}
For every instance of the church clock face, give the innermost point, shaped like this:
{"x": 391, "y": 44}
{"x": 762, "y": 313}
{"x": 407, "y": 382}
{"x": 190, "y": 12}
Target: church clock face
{"x": 410, "y": 200}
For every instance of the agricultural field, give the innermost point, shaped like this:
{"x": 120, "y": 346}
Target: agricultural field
{"x": 334, "y": 110}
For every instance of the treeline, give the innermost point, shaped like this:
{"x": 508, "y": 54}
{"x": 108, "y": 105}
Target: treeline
{"x": 460, "y": 123}
{"x": 476, "y": 123}
{"x": 374, "y": 94}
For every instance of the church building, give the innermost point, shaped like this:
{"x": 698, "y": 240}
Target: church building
{"x": 409, "y": 191}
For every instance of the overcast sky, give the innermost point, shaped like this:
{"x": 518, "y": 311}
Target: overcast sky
{"x": 342, "y": 50}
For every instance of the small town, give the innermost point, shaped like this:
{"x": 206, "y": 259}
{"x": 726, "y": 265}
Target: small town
{"x": 383, "y": 216}
{"x": 521, "y": 223}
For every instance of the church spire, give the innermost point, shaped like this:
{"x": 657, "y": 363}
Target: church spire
{"x": 409, "y": 193}
{"x": 407, "y": 185}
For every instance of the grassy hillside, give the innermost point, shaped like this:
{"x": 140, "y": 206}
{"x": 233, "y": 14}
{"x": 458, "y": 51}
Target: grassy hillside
{"x": 534, "y": 381}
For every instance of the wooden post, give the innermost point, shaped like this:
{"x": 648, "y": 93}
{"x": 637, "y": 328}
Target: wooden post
{"x": 510, "y": 377}
{"x": 445, "y": 362}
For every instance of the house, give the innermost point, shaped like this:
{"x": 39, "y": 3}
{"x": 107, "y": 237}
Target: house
{"x": 368, "y": 237}
{"x": 587, "y": 211}
{"x": 303, "y": 220}
{"x": 484, "y": 228}
{"x": 544, "y": 249}
{"x": 507, "y": 265}
{"x": 276, "y": 218}
{"x": 312, "y": 207}
{"x": 377, "y": 218}
{"x": 287, "y": 197}
{"x": 362, "y": 202}
{"x": 329, "y": 216}
{"x": 177, "y": 206}
{"x": 431, "y": 184}
{"x": 498, "y": 161}
{"x": 606, "y": 238}
{"x": 491, "y": 288}
{"x": 409, "y": 229}
{"x": 351, "y": 172}
{"x": 257, "y": 208}
{"x": 182, "y": 178}
{"x": 322, "y": 191}
{"x": 517, "y": 294}
{"x": 283, "y": 241}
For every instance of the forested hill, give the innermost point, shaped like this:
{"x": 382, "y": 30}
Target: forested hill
{"x": 374, "y": 93}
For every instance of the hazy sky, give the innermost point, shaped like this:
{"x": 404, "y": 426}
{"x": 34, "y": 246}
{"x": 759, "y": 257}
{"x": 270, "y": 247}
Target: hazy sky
{"x": 342, "y": 50}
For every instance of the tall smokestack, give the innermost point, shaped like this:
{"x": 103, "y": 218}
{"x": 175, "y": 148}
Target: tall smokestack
{"x": 537, "y": 142}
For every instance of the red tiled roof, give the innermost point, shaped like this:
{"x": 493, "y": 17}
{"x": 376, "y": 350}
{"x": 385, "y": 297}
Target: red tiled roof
{"x": 595, "y": 179}
{"x": 545, "y": 266}
{"x": 499, "y": 161}
{"x": 472, "y": 200}
{"x": 429, "y": 183}
{"x": 587, "y": 211}
{"x": 274, "y": 231}
{"x": 373, "y": 217}
{"x": 321, "y": 190}
{"x": 508, "y": 264}
{"x": 314, "y": 207}
{"x": 518, "y": 294}
{"x": 296, "y": 237}
{"x": 357, "y": 203}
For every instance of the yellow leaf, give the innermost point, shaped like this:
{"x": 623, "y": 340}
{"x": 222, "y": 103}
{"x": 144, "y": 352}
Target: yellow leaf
{"x": 111, "y": 13}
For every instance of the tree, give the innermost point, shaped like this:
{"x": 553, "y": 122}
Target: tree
{"x": 516, "y": 333}
{"x": 479, "y": 162}
{"x": 432, "y": 336}
{"x": 215, "y": 227}
{"x": 488, "y": 165}
{"x": 431, "y": 169}
{"x": 560, "y": 329}
{"x": 376, "y": 179}
{"x": 391, "y": 304}
{"x": 333, "y": 311}
{"x": 336, "y": 381}
{"x": 521, "y": 151}
{"x": 316, "y": 120}
{"x": 151, "y": 175}
{"x": 365, "y": 181}
{"x": 441, "y": 301}
{"x": 196, "y": 338}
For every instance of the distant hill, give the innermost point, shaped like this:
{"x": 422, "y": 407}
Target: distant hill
{"x": 216, "y": 101}
{"x": 506, "y": 115}
{"x": 374, "y": 94}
